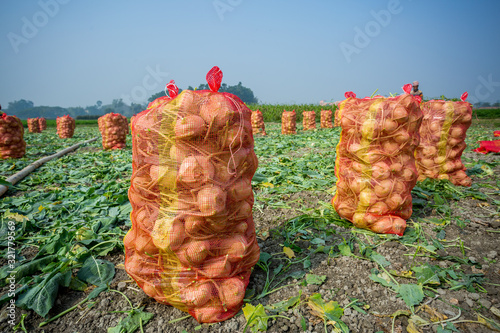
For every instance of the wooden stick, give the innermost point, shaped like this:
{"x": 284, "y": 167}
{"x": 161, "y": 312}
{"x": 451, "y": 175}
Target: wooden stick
{"x": 30, "y": 168}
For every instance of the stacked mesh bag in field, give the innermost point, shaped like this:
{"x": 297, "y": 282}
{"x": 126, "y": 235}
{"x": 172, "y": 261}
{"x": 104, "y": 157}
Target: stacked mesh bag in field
{"x": 42, "y": 123}
{"x": 288, "y": 122}
{"x": 65, "y": 126}
{"x": 33, "y": 125}
{"x": 375, "y": 163}
{"x": 308, "y": 120}
{"x": 442, "y": 140}
{"x": 114, "y": 130}
{"x": 258, "y": 126}
{"x": 12, "y": 144}
{"x": 192, "y": 243}
{"x": 326, "y": 119}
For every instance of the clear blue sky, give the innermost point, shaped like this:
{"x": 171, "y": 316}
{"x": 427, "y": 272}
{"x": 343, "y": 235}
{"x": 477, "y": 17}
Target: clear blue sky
{"x": 74, "y": 52}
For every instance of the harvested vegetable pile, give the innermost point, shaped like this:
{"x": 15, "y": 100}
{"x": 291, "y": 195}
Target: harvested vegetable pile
{"x": 42, "y": 123}
{"x": 442, "y": 140}
{"x": 288, "y": 122}
{"x": 65, "y": 127}
{"x": 193, "y": 244}
{"x": 258, "y": 126}
{"x": 33, "y": 125}
{"x": 375, "y": 163}
{"x": 12, "y": 144}
{"x": 114, "y": 130}
{"x": 326, "y": 119}
{"x": 308, "y": 120}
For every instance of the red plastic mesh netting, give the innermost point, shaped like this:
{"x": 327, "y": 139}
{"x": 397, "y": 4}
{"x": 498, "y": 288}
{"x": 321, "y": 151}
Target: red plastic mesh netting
{"x": 258, "y": 126}
{"x": 442, "y": 140}
{"x": 33, "y": 125}
{"x": 192, "y": 243}
{"x": 308, "y": 120}
{"x": 486, "y": 147}
{"x": 42, "y": 123}
{"x": 336, "y": 120}
{"x": 326, "y": 119}
{"x": 12, "y": 144}
{"x": 288, "y": 122}
{"x": 65, "y": 127}
{"x": 114, "y": 130}
{"x": 375, "y": 163}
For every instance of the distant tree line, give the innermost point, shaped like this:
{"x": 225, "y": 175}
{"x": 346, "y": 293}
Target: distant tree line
{"x": 88, "y": 117}
{"x": 487, "y": 105}
{"x": 25, "y": 109}
{"x": 244, "y": 93}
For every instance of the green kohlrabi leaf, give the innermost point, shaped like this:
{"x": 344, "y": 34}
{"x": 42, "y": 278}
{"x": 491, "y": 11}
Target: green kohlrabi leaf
{"x": 379, "y": 259}
{"x": 41, "y": 297}
{"x": 256, "y": 317}
{"x": 425, "y": 275}
{"x": 315, "y": 279}
{"x": 98, "y": 272}
{"x": 329, "y": 312}
{"x": 412, "y": 294}
{"x": 284, "y": 305}
{"x": 129, "y": 324}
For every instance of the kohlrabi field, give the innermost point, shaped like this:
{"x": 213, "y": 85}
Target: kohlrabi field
{"x": 62, "y": 252}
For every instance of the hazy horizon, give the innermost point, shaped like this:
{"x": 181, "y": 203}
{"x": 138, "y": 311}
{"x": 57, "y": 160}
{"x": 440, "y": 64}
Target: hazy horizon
{"x": 69, "y": 53}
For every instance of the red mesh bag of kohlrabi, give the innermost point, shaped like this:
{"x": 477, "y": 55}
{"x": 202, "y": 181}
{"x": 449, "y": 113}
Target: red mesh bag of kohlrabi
{"x": 33, "y": 125}
{"x": 347, "y": 95}
{"x": 486, "y": 147}
{"x": 308, "y": 120}
{"x": 326, "y": 119}
{"x": 375, "y": 163}
{"x": 442, "y": 140}
{"x": 12, "y": 144}
{"x": 114, "y": 130}
{"x": 192, "y": 243}
{"x": 258, "y": 126}
{"x": 130, "y": 124}
{"x": 42, "y": 123}
{"x": 65, "y": 126}
{"x": 288, "y": 122}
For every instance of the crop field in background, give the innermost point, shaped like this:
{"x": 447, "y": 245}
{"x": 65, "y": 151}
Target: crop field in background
{"x": 272, "y": 113}
{"x": 316, "y": 272}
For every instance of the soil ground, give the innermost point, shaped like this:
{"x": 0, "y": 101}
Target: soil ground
{"x": 347, "y": 278}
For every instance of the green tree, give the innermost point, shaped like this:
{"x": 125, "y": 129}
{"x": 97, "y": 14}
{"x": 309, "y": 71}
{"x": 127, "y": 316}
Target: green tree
{"x": 203, "y": 86}
{"x": 48, "y": 112}
{"x": 75, "y": 111}
{"x": 19, "y": 105}
{"x": 117, "y": 103}
{"x": 155, "y": 96}
{"x": 136, "y": 108}
{"x": 244, "y": 93}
